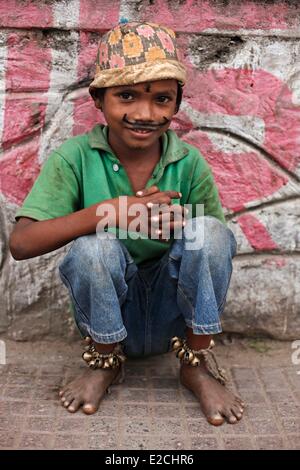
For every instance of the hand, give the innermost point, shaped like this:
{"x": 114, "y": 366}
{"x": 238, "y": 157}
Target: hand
{"x": 149, "y": 212}
{"x": 167, "y": 219}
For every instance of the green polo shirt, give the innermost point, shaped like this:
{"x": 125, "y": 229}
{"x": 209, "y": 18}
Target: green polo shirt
{"x": 85, "y": 171}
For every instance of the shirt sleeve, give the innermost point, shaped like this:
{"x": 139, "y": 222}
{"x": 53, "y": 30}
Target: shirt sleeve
{"x": 204, "y": 191}
{"x": 55, "y": 192}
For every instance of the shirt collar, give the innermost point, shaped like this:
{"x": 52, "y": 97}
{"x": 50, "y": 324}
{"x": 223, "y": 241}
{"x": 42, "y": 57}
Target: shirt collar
{"x": 173, "y": 149}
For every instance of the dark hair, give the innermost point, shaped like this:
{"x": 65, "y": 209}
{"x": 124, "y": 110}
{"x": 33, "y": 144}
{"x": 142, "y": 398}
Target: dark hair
{"x": 99, "y": 93}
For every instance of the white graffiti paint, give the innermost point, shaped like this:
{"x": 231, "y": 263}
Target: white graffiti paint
{"x": 66, "y": 14}
{"x": 279, "y": 58}
{"x": 63, "y": 74}
{"x": 250, "y": 128}
{"x": 127, "y": 10}
{"x": 3, "y": 56}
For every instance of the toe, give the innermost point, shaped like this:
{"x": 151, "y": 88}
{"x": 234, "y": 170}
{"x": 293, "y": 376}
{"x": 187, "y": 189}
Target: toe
{"x": 232, "y": 419}
{"x": 89, "y": 408}
{"x": 230, "y": 416}
{"x": 64, "y": 392}
{"x": 74, "y": 406}
{"x": 69, "y": 396}
{"x": 216, "y": 419}
{"x": 237, "y": 412}
{"x": 240, "y": 401}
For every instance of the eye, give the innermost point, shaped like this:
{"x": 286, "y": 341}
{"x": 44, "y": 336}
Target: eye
{"x": 125, "y": 96}
{"x": 163, "y": 99}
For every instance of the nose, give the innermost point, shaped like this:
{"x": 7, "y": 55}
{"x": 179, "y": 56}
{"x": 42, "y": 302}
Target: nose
{"x": 143, "y": 112}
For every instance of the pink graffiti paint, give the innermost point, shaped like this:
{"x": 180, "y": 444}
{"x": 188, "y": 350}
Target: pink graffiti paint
{"x": 28, "y": 63}
{"x": 28, "y": 69}
{"x": 257, "y": 93}
{"x": 24, "y": 117}
{"x": 25, "y": 14}
{"x": 85, "y": 115}
{"x": 241, "y": 177}
{"x": 256, "y": 233}
{"x": 98, "y": 16}
{"x": 87, "y": 55}
{"x": 275, "y": 262}
{"x": 18, "y": 170}
{"x": 191, "y": 16}
{"x": 244, "y": 177}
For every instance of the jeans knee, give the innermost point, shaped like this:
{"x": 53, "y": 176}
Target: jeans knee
{"x": 210, "y": 235}
{"x": 88, "y": 250}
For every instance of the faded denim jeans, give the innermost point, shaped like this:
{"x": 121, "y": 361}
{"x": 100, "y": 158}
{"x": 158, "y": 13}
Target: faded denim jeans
{"x": 143, "y": 307}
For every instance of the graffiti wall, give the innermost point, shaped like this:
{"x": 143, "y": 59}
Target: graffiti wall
{"x": 241, "y": 108}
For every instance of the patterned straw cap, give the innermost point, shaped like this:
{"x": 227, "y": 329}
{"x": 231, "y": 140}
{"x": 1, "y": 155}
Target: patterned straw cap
{"x": 137, "y": 52}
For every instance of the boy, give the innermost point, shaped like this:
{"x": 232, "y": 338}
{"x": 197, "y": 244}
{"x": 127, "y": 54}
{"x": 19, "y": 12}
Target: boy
{"x": 136, "y": 296}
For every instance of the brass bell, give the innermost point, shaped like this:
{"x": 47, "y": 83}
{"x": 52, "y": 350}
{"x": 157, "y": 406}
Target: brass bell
{"x": 87, "y": 356}
{"x": 92, "y": 364}
{"x": 195, "y": 361}
{"x": 188, "y": 357}
{"x": 100, "y": 362}
{"x": 113, "y": 361}
{"x": 176, "y": 345}
{"x": 180, "y": 353}
{"x": 88, "y": 339}
{"x": 176, "y": 342}
{"x": 106, "y": 364}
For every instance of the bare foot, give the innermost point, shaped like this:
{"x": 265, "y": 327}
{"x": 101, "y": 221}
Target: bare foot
{"x": 87, "y": 390}
{"x": 217, "y": 403}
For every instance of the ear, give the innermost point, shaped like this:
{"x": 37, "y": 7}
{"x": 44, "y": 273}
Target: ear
{"x": 98, "y": 103}
{"x": 97, "y": 98}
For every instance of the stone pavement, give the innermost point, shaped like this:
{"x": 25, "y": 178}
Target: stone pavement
{"x": 151, "y": 410}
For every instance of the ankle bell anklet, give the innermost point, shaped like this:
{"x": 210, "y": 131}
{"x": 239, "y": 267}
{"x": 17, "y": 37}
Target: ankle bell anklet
{"x": 193, "y": 358}
{"x": 96, "y": 360}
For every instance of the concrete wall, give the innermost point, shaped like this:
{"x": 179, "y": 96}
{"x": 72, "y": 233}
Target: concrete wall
{"x": 241, "y": 108}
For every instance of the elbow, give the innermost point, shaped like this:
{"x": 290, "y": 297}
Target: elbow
{"x": 16, "y": 248}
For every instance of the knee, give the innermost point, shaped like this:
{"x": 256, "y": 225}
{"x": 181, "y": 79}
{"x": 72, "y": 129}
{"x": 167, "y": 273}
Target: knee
{"x": 210, "y": 235}
{"x": 90, "y": 249}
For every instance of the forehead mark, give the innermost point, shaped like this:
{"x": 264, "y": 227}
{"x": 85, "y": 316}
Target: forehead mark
{"x": 147, "y": 87}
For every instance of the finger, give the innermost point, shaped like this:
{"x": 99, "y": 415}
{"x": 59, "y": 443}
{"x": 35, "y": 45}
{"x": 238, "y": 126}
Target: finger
{"x": 178, "y": 209}
{"x": 170, "y": 229}
{"x": 158, "y": 203}
{"x": 173, "y": 194}
{"x": 147, "y": 191}
{"x": 169, "y": 194}
{"x": 163, "y": 197}
{"x": 170, "y": 216}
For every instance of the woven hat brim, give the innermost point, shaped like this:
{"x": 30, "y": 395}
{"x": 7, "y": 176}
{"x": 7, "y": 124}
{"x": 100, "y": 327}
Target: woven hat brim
{"x": 132, "y": 74}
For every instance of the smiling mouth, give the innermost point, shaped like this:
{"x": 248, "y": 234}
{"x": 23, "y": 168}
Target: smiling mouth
{"x": 141, "y": 131}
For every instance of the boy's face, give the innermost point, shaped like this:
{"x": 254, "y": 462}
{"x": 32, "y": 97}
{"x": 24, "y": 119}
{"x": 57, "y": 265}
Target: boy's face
{"x": 137, "y": 115}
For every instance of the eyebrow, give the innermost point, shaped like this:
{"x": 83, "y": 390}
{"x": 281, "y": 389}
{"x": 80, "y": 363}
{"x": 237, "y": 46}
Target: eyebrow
{"x": 130, "y": 89}
{"x": 166, "y": 92}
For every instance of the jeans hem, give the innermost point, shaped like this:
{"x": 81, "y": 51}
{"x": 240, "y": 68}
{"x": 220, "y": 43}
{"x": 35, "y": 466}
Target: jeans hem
{"x": 205, "y": 329}
{"x": 107, "y": 338}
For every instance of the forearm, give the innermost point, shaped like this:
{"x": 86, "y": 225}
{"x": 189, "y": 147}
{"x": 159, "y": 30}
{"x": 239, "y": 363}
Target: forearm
{"x": 40, "y": 237}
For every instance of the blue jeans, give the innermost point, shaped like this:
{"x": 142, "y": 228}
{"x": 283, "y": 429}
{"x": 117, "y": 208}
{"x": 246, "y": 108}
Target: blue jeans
{"x": 144, "y": 306}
